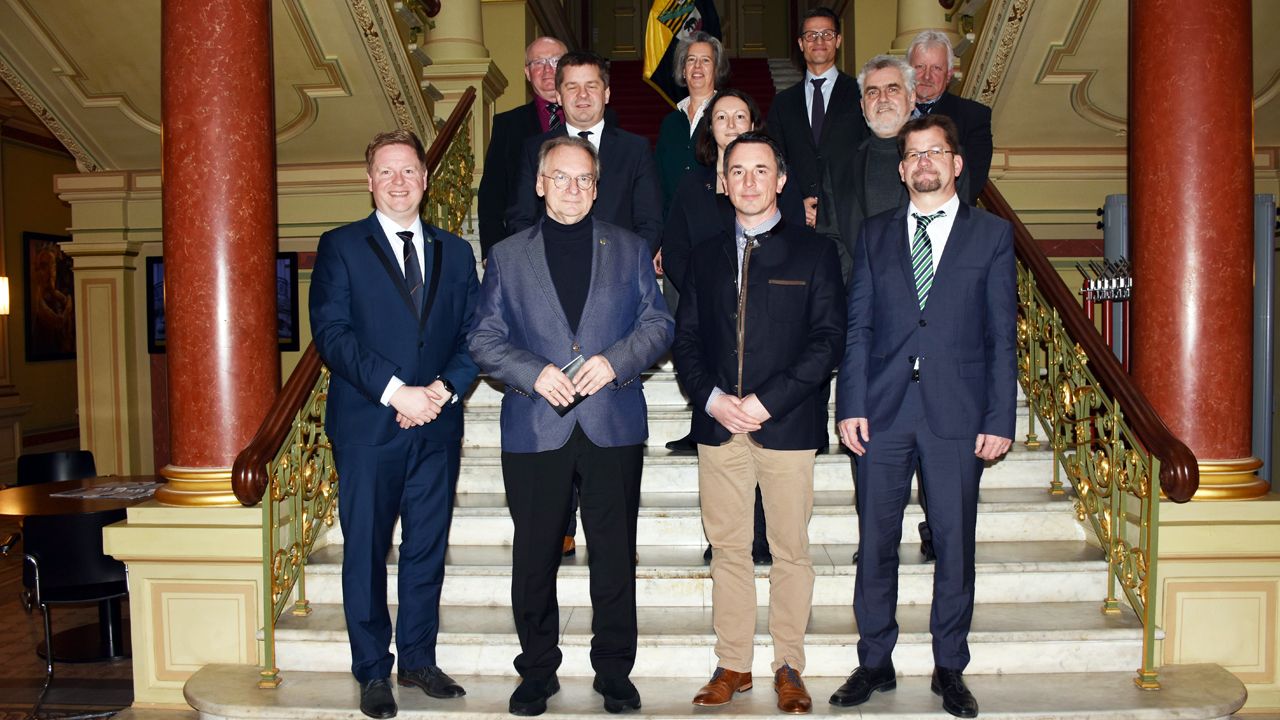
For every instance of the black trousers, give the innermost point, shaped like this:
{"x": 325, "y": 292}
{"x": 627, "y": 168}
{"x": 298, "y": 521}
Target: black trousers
{"x": 538, "y": 488}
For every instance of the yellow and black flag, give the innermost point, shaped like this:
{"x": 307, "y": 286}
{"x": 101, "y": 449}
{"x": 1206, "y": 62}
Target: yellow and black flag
{"x": 671, "y": 21}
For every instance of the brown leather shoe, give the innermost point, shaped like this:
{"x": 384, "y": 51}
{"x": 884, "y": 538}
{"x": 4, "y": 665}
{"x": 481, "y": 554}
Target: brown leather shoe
{"x": 570, "y": 547}
{"x": 720, "y": 689}
{"x": 792, "y": 697}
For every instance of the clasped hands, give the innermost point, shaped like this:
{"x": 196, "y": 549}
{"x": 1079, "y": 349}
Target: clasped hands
{"x": 854, "y": 432}
{"x": 416, "y": 405}
{"x": 739, "y": 415}
{"x": 556, "y": 387}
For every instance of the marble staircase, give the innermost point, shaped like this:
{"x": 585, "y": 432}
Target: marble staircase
{"x": 1040, "y": 645}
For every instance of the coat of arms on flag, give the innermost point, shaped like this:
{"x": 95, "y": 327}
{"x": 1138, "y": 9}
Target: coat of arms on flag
{"x": 671, "y": 21}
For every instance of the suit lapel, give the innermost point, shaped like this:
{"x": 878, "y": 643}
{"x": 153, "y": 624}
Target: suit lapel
{"x": 956, "y": 245}
{"x": 841, "y": 99}
{"x": 602, "y": 258}
{"x": 381, "y": 249}
{"x": 898, "y": 248}
{"x": 430, "y": 245}
{"x": 536, "y": 251}
{"x": 532, "y": 124}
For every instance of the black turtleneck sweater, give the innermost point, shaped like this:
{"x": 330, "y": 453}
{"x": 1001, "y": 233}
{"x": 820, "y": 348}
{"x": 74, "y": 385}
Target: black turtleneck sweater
{"x": 569, "y": 260}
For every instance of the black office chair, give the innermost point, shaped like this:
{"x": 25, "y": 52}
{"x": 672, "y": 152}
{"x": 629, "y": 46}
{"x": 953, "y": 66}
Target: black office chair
{"x": 64, "y": 554}
{"x": 36, "y": 469}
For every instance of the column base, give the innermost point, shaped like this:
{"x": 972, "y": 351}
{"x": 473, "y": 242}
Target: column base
{"x": 1234, "y": 479}
{"x": 196, "y": 487}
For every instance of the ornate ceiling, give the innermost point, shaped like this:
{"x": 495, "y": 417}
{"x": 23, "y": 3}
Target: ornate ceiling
{"x": 88, "y": 73}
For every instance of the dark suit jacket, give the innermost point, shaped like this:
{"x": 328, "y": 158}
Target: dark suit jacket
{"x": 843, "y": 130}
{"x": 366, "y": 330}
{"x": 973, "y": 121}
{"x": 964, "y": 337}
{"x": 627, "y": 194}
{"x": 840, "y": 213}
{"x": 699, "y": 213}
{"x": 521, "y": 327}
{"x": 795, "y": 319}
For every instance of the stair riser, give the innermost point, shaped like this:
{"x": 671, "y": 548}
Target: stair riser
{"x": 686, "y": 529}
{"x": 913, "y": 589}
{"x": 684, "y": 659}
{"x": 830, "y": 474}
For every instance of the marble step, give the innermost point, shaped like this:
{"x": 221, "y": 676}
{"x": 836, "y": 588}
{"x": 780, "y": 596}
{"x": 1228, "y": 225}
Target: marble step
{"x": 665, "y": 471}
{"x": 1004, "y": 515}
{"x": 1190, "y": 692}
{"x": 1036, "y": 572}
{"x": 1012, "y": 638}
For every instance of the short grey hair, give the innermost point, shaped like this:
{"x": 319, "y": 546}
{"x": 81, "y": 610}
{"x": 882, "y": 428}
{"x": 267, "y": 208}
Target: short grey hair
{"x": 880, "y": 62}
{"x": 933, "y": 38}
{"x": 561, "y": 141}
{"x": 717, "y": 56}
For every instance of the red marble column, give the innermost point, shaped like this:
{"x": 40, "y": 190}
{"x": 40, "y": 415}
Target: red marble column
{"x": 1191, "y": 214}
{"x": 219, "y": 238}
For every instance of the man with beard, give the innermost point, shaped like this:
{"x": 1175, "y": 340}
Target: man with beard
{"x": 934, "y": 61}
{"x": 928, "y": 378}
{"x": 869, "y": 184}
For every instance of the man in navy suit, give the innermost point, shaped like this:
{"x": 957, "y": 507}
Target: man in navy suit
{"x": 934, "y": 61}
{"x": 573, "y": 286}
{"x": 510, "y": 130}
{"x": 628, "y": 194}
{"x": 928, "y": 376}
{"x": 817, "y": 121}
{"x": 392, "y": 300}
{"x": 761, "y": 328}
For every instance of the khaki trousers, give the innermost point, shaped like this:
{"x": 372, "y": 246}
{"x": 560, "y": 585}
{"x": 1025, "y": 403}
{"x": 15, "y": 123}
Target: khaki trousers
{"x": 727, "y": 478}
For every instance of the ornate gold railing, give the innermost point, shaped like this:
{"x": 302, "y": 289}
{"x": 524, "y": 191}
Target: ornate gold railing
{"x": 289, "y": 462}
{"x": 1113, "y": 447}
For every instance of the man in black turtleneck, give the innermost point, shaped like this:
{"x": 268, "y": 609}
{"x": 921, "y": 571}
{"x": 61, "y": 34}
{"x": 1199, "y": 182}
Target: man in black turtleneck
{"x": 888, "y": 99}
{"x": 571, "y": 289}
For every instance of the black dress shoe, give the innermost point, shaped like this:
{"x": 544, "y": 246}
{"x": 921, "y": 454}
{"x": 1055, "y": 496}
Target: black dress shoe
{"x": 433, "y": 682}
{"x": 376, "y": 699}
{"x": 706, "y": 556}
{"x": 956, "y": 698}
{"x": 855, "y": 557}
{"x": 683, "y": 446}
{"x": 864, "y": 681}
{"x": 926, "y": 552}
{"x": 531, "y": 697}
{"x": 619, "y": 693}
{"x": 762, "y": 558}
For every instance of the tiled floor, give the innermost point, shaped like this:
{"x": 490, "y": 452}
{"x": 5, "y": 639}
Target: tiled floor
{"x": 82, "y": 686}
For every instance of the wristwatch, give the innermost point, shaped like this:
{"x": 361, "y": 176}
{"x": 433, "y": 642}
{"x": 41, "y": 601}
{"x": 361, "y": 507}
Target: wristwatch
{"x": 454, "y": 397}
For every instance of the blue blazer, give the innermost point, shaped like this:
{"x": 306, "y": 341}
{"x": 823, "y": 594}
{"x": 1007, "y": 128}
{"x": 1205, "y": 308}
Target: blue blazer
{"x": 366, "y": 330}
{"x": 521, "y": 327}
{"x": 964, "y": 337}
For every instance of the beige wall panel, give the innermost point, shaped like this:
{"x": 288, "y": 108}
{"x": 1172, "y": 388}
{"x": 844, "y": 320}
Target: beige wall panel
{"x": 508, "y": 28}
{"x": 875, "y": 24}
{"x": 1229, "y": 622}
{"x": 100, "y": 389}
{"x": 194, "y": 624}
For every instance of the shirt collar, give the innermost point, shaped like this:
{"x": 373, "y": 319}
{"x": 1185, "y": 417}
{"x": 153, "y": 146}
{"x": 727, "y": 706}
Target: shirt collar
{"x": 829, "y": 76}
{"x": 770, "y": 223}
{"x": 391, "y": 227}
{"x": 950, "y": 207}
{"x": 595, "y": 130}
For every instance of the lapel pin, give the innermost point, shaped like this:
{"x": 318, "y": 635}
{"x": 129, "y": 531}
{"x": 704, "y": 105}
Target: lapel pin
{"x": 604, "y": 241}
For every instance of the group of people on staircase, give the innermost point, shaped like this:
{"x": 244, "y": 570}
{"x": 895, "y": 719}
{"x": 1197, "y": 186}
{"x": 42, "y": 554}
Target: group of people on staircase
{"x": 837, "y": 237}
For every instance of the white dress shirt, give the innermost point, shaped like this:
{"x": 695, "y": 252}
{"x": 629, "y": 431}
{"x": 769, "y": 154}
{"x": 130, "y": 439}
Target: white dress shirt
{"x": 683, "y": 106}
{"x": 390, "y": 228}
{"x": 939, "y": 229}
{"x": 830, "y": 76}
{"x": 595, "y": 131}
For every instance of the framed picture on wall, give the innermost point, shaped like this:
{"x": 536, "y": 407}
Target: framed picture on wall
{"x": 49, "y": 290}
{"x": 286, "y": 302}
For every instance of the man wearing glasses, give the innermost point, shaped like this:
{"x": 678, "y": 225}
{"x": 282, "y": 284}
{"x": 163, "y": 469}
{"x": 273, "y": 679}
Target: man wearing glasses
{"x": 570, "y": 314}
{"x": 817, "y": 121}
{"x": 928, "y": 380}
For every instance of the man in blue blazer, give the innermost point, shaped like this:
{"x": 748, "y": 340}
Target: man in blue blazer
{"x": 628, "y": 194}
{"x": 928, "y": 376}
{"x": 392, "y": 300}
{"x": 572, "y": 287}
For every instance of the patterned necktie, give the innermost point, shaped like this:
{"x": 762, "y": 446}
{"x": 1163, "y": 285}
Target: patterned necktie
{"x": 554, "y": 120}
{"x": 412, "y": 270}
{"x": 817, "y": 111}
{"x": 922, "y": 255}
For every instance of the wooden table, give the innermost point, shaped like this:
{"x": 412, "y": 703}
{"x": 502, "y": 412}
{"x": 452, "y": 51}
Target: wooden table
{"x": 109, "y": 639}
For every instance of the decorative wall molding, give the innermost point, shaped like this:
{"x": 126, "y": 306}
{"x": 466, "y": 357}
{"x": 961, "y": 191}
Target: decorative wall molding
{"x": 335, "y": 84}
{"x": 1052, "y": 73}
{"x": 999, "y": 38}
{"x": 386, "y": 52}
{"x": 84, "y": 159}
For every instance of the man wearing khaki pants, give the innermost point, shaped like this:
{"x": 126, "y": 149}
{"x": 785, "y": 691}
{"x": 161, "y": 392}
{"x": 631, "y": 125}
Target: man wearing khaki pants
{"x": 759, "y": 330}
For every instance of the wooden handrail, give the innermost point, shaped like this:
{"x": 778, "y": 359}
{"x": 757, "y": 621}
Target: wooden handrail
{"x": 1179, "y": 472}
{"x": 249, "y": 478}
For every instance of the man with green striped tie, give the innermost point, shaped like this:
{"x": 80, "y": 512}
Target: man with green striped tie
{"x": 928, "y": 378}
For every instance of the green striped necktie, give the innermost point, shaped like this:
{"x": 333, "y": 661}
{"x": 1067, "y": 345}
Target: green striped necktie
{"x": 922, "y": 255}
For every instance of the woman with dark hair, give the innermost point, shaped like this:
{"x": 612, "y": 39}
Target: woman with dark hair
{"x": 701, "y": 67}
{"x": 701, "y": 211}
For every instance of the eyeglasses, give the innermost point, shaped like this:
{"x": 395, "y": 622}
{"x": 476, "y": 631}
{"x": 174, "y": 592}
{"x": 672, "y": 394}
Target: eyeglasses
{"x": 873, "y": 92}
{"x": 813, "y": 36}
{"x": 561, "y": 181}
{"x": 545, "y": 63}
{"x": 934, "y": 154}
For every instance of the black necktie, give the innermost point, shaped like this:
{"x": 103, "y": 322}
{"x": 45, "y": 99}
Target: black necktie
{"x": 412, "y": 270}
{"x": 818, "y": 112}
{"x": 585, "y": 135}
{"x": 924, "y": 108}
{"x": 554, "y": 111}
